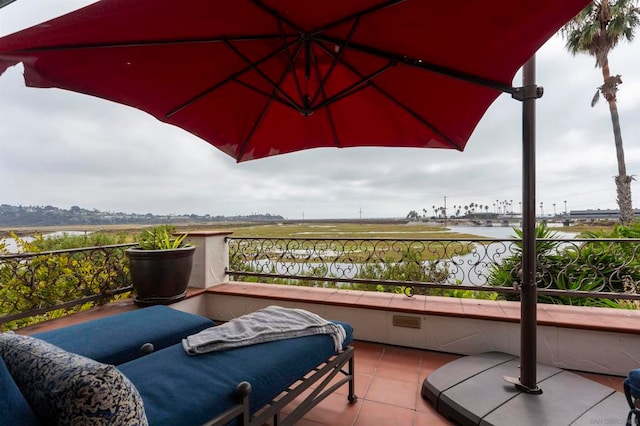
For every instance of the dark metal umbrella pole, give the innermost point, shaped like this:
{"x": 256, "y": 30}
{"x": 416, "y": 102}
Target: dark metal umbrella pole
{"x": 528, "y": 93}
{"x": 528, "y": 300}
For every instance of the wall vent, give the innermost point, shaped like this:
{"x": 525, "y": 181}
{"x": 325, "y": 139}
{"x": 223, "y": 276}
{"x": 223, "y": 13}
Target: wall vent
{"x": 407, "y": 321}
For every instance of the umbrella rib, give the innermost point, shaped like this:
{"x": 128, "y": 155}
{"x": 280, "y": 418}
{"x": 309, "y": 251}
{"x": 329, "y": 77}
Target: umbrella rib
{"x": 398, "y": 103}
{"x": 232, "y": 77}
{"x": 275, "y": 86}
{"x": 291, "y": 61}
{"x": 270, "y": 99}
{"x": 335, "y": 61}
{"x": 419, "y": 63}
{"x": 304, "y": 99}
{"x": 417, "y": 117}
{"x": 4, "y": 3}
{"x": 358, "y": 15}
{"x": 245, "y": 143}
{"x": 332, "y": 125}
{"x": 355, "y": 87}
{"x": 138, "y": 43}
{"x": 275, "y": 97}
{"x": 276, "y": 15}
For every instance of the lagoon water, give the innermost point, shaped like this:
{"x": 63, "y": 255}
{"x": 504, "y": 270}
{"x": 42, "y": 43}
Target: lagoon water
{"x": 10, "y": 244}
{"x": 499, "y": 232}
{"x": 12, "y": 247}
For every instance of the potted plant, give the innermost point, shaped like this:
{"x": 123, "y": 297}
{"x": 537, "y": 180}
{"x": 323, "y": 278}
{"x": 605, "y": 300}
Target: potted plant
{"x": 160, "y": 266}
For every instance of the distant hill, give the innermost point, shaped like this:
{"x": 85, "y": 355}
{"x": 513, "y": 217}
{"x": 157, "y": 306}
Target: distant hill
{"x": 14, "y": 216}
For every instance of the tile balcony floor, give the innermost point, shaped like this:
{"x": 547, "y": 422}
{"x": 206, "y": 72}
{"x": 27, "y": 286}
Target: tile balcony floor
{"x": 388, "y": 384}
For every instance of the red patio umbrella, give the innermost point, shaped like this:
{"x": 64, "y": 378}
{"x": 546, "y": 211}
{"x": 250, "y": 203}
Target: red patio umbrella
{"x": 257, "y": 78}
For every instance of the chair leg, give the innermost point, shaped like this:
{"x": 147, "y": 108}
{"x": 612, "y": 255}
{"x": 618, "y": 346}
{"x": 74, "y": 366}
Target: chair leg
{"x": 627, "y": 393}
{"x": 352, "y": 387}
{"x": 634, "y": 412}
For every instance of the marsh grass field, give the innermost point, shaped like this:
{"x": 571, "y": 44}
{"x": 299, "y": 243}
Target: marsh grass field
{"x": 274, "y": 230}
{"x": 330, "y": 229}
{"x": 410, "y": 230}
{"x": 343, "y": 236}
{"x": 348, "y": 230}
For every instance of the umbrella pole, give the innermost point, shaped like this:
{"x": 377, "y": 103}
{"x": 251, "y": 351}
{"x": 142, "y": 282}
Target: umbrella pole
{"x": 528, "y": 300}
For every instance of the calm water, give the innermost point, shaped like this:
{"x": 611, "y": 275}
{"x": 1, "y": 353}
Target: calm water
{"x": 13, "y": 247}
{"x": 500, "y": 232}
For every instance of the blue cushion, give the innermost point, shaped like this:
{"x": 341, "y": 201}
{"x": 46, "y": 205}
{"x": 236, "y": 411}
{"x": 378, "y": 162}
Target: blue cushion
{"x": 14, "y": 409}
{"x": 202, "y": 386}
{"x": 633, "y": 381}
{"x": 118, "y": 338}
{"x": 69, "y": 389}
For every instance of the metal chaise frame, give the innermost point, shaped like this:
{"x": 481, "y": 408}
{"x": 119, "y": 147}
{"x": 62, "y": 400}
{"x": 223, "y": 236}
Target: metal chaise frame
{"x": 322, "y": 375}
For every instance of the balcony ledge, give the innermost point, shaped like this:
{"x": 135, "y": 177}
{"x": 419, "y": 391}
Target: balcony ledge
{"x": 596, "y": 340}
{"x": 578, "y": 317}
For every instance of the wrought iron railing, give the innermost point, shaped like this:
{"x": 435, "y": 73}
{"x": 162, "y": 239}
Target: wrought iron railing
{"x": 567, "y": 268}
{"x": 575, "y": 271}
{"x": 34, "y": 284}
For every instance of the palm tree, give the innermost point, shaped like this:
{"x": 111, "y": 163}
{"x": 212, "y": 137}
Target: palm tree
{"x": 596, "y": 31}
{"x": 413, "y": 215}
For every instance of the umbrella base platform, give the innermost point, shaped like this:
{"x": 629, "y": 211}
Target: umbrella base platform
{"x": 472, "y": 391}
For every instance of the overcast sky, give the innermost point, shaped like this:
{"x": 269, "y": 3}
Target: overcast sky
{"x": 61, "y": 148}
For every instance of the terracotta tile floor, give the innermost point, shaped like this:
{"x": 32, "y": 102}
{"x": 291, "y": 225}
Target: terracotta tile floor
{"x": 388, "y": 383}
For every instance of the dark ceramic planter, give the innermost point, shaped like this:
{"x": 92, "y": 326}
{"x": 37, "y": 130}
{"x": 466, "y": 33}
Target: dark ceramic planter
{"x": 160, "y": 277}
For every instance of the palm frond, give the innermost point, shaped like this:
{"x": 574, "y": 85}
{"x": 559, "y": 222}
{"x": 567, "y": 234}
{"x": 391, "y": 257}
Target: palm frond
{"x": 596, "y": 98}
{"x": 600, "y": 26}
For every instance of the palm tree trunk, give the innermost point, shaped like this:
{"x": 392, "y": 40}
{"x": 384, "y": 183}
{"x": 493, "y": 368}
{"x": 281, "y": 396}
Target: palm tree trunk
{"x": 623, "y": 188}
{"x": 623, "y": 182}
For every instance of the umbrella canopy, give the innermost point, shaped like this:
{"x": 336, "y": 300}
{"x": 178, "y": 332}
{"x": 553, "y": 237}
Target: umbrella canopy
{"x": 257, "y": 78}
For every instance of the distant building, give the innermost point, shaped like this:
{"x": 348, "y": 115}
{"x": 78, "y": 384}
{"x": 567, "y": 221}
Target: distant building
{"x": 598, "y": 214}
{"x": 483, "y": 215}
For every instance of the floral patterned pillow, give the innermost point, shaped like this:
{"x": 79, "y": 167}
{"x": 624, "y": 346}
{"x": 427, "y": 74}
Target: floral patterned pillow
{"x": 65, "y": 388}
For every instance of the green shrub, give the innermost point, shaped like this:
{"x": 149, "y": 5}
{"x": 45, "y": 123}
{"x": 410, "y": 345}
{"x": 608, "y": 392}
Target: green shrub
{"x": 593, "y": 266}
{"x": 161, "y": 237}
{"x": 409, "y": 267}
{"x": 49, "y": 279}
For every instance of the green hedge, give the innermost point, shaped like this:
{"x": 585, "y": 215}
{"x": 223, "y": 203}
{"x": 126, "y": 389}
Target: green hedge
{"x": 588, "y": 266}
{"x": 49, "y": 279}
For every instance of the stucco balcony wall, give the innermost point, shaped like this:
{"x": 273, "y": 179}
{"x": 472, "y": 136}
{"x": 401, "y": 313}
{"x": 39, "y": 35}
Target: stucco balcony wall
{"x": 598, "y": 340}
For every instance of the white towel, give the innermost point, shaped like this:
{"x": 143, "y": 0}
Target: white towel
{"x": 265, "y": 325}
